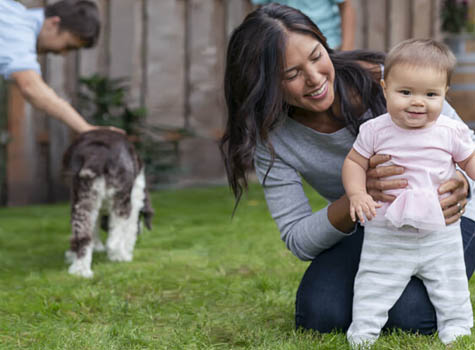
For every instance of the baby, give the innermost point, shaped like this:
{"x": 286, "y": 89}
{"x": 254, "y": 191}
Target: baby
{"x": 409, "y": 237}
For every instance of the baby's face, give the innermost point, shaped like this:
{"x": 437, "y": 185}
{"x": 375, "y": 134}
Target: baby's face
{"x": 414, "y": 95}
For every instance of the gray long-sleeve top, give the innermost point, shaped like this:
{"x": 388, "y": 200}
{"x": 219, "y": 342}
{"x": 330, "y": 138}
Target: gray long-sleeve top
{"x": 302, "y": 152}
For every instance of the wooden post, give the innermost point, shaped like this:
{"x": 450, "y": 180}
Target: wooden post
{"x": 206, "y": 38}
{"x": 3, "y": 141}
{"x": 376, "y": 13}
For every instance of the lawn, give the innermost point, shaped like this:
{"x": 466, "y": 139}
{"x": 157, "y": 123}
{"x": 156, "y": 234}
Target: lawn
{"x": 199, "y": 280}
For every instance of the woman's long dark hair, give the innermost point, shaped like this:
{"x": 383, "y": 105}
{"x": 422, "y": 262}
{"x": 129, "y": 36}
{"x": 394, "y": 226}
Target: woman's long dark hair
{"x": 253, "y": 85}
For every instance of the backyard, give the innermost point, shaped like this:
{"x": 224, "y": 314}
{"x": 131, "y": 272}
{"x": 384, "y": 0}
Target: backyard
{"x": 199, "y": 280}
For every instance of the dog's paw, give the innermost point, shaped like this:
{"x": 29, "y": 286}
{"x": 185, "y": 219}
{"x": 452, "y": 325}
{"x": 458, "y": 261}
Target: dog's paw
{"x": 80, "y": 271}
{"x": 119, "y": 256}
{"x": 99, "y": 247}
{"x": 69, "y": 256}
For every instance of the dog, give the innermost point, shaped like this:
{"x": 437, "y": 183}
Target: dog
{"x": 105, "y": 174}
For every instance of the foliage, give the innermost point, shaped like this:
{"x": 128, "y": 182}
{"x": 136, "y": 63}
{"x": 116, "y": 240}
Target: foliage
{"x": 103, "y": 101}
{"x": 199, "y": 280}
{"x": 455, "y": 16}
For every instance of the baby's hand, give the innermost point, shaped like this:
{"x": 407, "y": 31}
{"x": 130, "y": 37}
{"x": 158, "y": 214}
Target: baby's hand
{"x": 362, "y": 205}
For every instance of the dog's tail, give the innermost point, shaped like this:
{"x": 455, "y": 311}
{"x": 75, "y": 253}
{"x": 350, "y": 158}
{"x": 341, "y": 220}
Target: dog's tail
{"x": 147, "y": 211}
{"x": 83, "y": 164}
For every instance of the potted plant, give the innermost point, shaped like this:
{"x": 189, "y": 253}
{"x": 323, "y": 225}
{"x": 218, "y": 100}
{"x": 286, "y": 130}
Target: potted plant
{"x": 457, "y": 23}
{"x": 102, "y": 101}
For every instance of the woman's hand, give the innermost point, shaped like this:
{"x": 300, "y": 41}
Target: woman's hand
{"x": 375, "y": 184}
{"x": 453, "y": 206}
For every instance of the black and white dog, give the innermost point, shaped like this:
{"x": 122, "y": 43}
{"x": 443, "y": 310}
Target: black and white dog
{"x": 107, "y": 178}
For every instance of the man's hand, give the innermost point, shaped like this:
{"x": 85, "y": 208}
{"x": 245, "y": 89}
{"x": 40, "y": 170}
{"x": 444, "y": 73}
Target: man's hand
{"x": 98, "y": 127}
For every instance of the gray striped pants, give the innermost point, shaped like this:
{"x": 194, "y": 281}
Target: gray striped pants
{"x": 389, "y": 257}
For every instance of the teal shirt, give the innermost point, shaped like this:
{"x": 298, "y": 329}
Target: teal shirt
{"x": 324, "y": 13}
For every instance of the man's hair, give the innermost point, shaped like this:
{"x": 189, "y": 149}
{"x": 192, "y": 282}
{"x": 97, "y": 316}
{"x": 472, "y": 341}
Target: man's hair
{"x": 421, "y": 53}
{"x": 80, "y": 17}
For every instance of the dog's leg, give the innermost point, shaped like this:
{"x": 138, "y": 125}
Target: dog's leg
{"x": 124, "y": 222}
{"x": 87, "y": 198}
{"x": 96, "y": 239}
{"x": 137, "y": 199}
{"x": 118, "y": 227}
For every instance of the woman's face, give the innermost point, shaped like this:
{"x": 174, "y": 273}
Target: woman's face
{"x": 308, "y": 74}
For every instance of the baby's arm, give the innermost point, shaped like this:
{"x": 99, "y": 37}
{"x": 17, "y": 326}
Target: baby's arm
{"x": 468, "y": 165}
{"x": 354, "y": 181}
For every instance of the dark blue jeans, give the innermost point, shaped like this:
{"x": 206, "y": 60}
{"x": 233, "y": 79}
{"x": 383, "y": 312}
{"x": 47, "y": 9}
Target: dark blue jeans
{"x": 325, "y": 295}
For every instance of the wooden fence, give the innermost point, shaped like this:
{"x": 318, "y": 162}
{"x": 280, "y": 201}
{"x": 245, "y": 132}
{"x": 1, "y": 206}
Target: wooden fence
{"x": 173, "y": 53}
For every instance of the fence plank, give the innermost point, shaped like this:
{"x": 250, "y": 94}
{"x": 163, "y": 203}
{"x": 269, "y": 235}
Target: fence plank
{"x": 61, "y": 75}
{"x": 165, "y": 62}
{"x": 3, "y": 140}
{"x": 436, "y": 20}
{"x": 399, "y": 25}
{"x": 206, "y": 39}
{"x": 422, "y": 18}
{"x": 377, "y": 25}
{"x": 20, "y": 150}
{"x": 235, "y": 11}
{"x": 126, "y": 37}
{"x": 96, "y": 59}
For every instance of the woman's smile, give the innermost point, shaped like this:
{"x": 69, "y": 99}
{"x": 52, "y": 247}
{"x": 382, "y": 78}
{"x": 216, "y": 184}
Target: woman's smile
{"x": 320, "y": 92}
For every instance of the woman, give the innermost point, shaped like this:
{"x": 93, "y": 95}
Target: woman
{"x": 294, "y": 109}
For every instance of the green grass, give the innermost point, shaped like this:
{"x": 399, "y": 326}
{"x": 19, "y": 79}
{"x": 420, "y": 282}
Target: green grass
{"x": 199, "y": 280}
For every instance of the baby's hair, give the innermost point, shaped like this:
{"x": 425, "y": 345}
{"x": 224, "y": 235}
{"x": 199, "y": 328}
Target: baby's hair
{"x": 421, "y": 53}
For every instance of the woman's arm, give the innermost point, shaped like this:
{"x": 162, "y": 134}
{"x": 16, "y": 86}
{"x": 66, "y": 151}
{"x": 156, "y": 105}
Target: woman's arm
{"x": 460, "y": 189}
{"x": 468, "y": 165}
{"x": 305, "y": 233}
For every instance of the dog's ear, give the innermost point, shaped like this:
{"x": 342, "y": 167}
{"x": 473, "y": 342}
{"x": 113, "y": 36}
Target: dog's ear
{"x": 147, "y": 211}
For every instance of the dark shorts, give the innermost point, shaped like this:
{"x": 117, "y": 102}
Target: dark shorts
{"x": 325, "y": 295}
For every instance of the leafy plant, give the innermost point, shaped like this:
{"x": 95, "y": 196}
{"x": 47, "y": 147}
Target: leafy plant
{"x": 454, "y": 15}
{"x": 103, "y": 101}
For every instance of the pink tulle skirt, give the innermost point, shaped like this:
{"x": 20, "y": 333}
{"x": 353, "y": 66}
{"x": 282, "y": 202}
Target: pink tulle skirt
{"x": 417, "y": 208}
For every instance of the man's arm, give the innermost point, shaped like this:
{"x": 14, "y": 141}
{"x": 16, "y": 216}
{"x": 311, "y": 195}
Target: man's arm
{"x": 348, "y": 24}
{"x": 42, "y": 97}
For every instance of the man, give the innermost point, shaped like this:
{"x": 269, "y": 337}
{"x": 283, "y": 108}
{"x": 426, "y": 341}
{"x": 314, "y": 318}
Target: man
{"x": 58, "y": 28}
